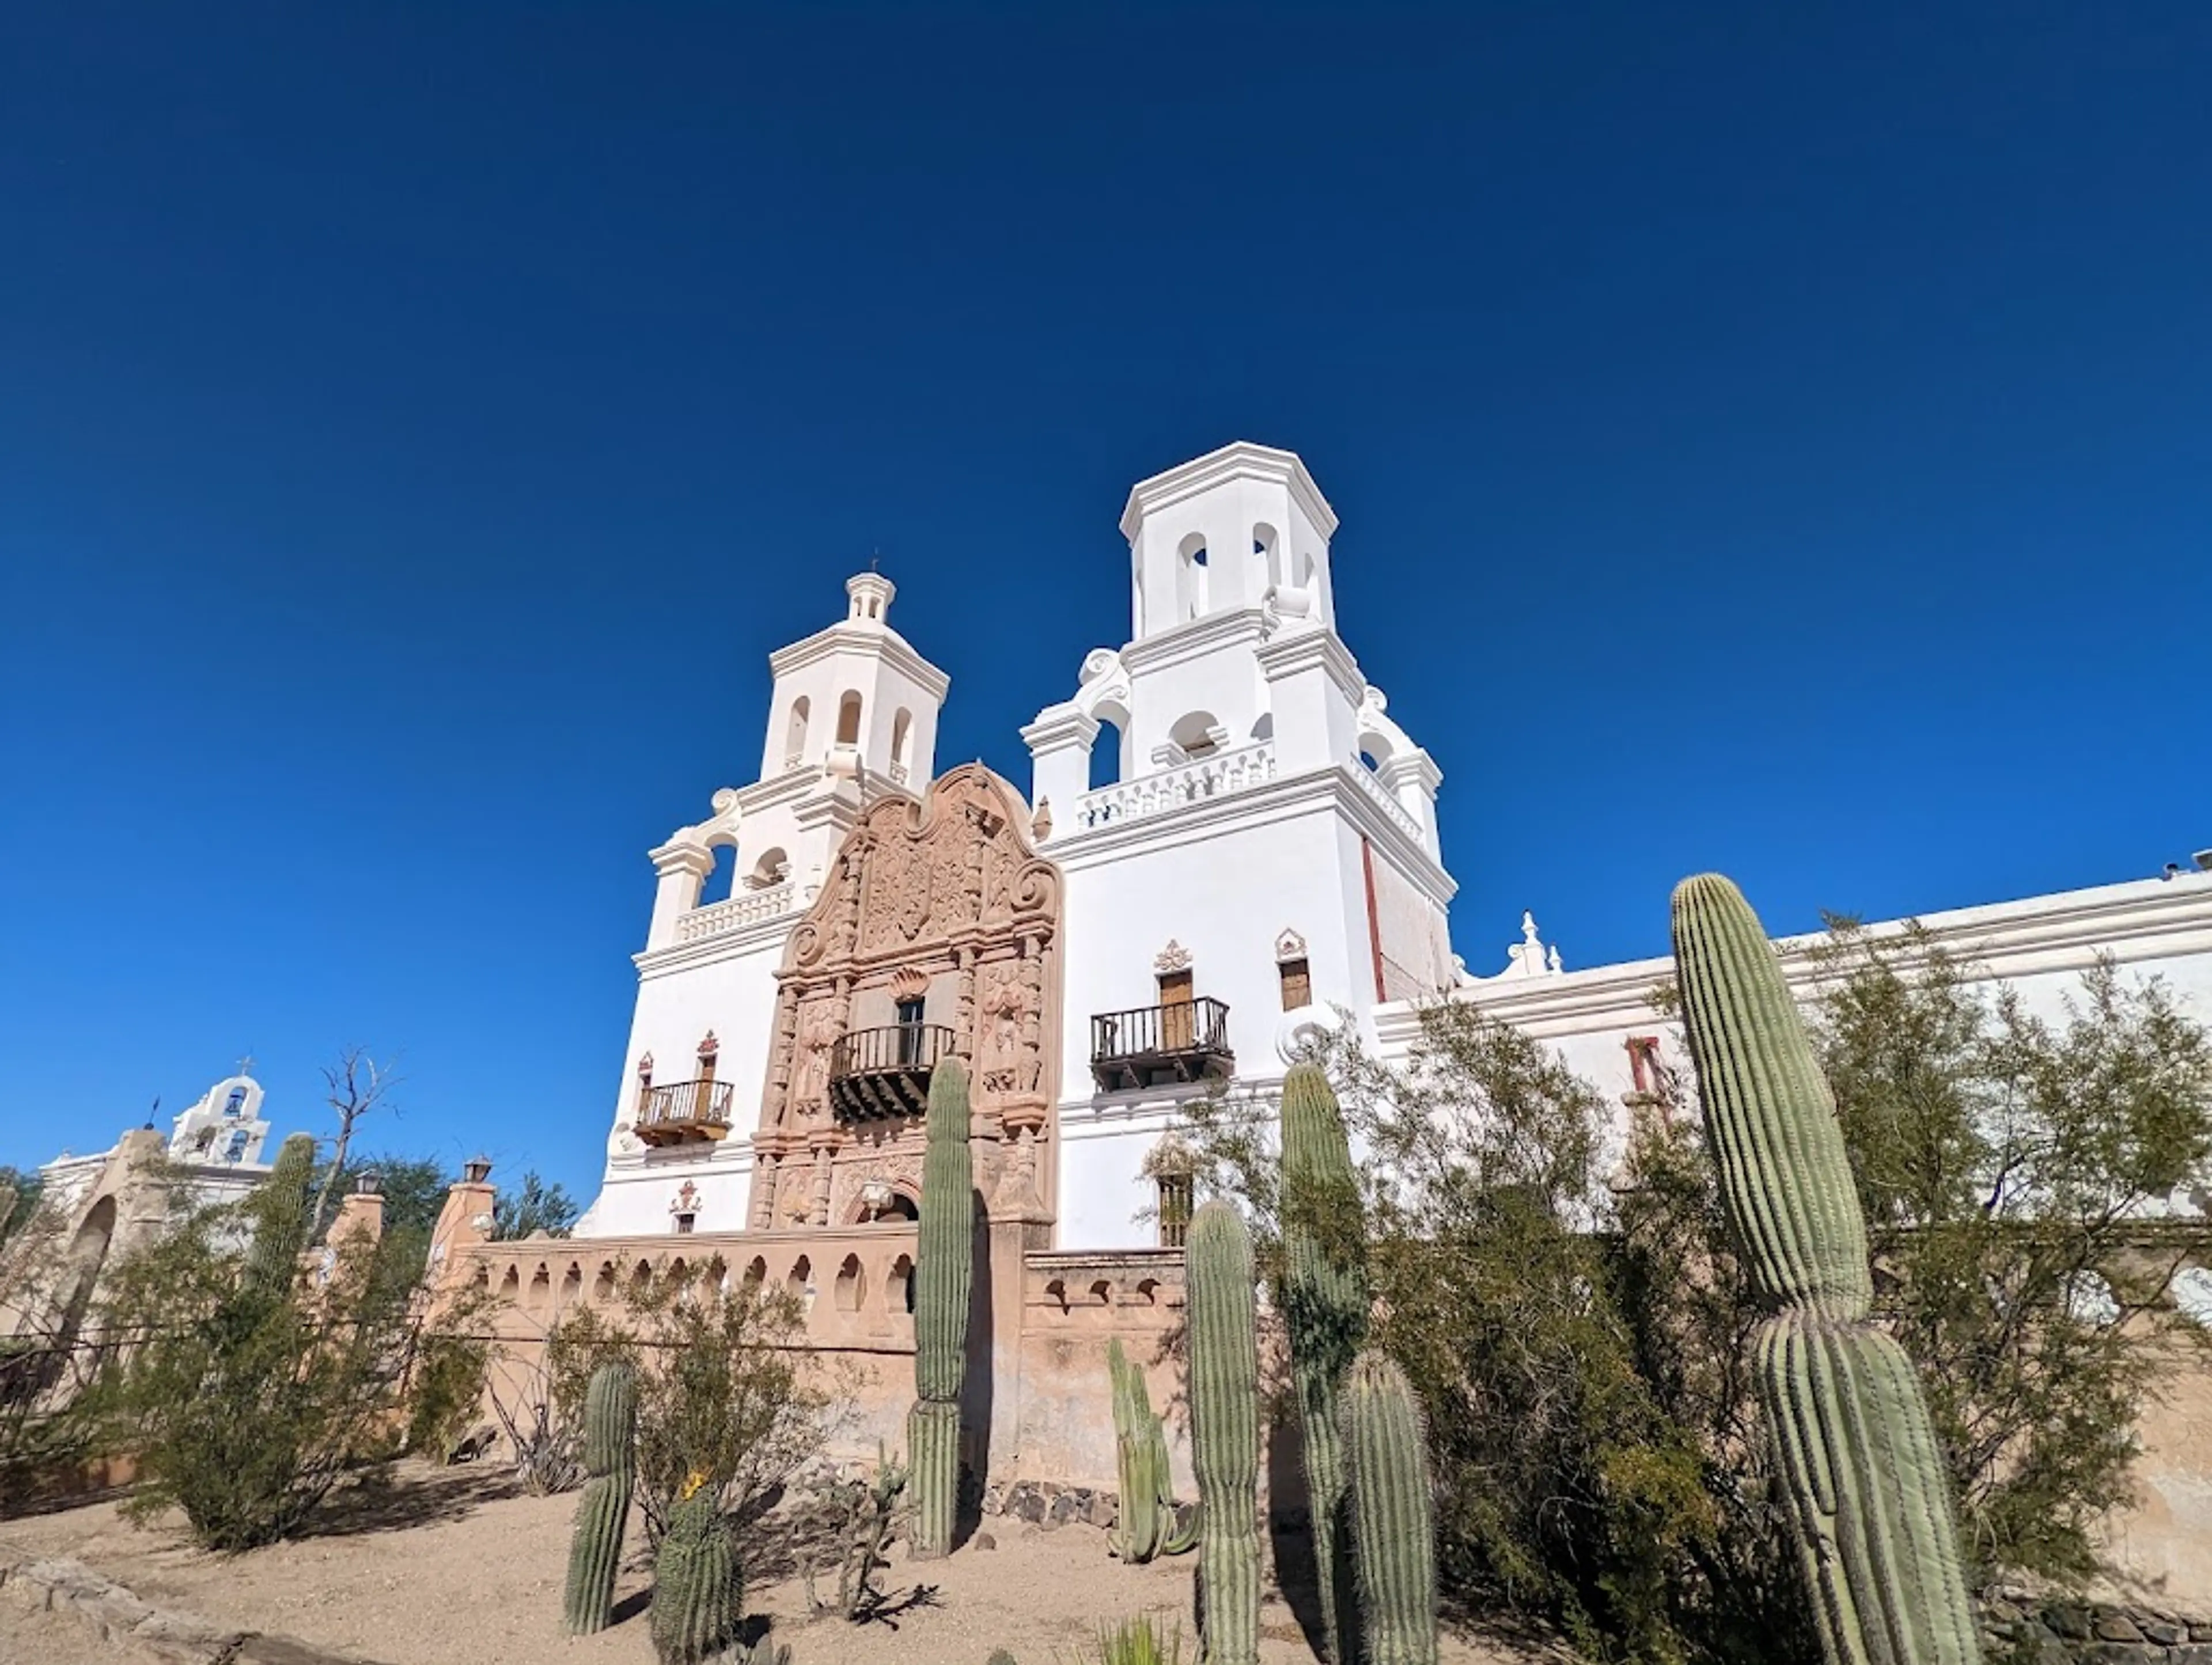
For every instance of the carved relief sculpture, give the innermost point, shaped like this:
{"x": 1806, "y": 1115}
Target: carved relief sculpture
{"x": 943, "y": 900}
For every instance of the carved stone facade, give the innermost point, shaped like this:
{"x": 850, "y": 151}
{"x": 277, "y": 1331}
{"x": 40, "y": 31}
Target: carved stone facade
{"x": 944, "y": 903}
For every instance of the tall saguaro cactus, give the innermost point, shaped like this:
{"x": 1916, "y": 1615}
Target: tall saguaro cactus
{"x": 1869, "y": 1494}
{"x": 1393, "y": 1526}
{"x": 1325, "y": 1313}
{"x": 280, "y": 1218}
{"x": 1225, "y": 1432}
{"x": 610, "y": 1441}
{"x": 944, "y": 1281}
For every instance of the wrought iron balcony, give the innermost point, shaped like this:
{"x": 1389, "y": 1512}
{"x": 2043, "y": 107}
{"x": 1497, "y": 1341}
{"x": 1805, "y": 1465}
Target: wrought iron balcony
{"x": 884, "y": 1072}
{"x": 684, "y": 1111}
{"x": 1182, "y": 1040}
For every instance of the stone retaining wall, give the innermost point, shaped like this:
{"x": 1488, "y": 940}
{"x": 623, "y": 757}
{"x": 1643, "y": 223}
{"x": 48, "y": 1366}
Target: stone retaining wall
{"x": 2017, "y": 1626}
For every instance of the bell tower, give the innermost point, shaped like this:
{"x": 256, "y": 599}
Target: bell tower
{"x": 855, "y": 700}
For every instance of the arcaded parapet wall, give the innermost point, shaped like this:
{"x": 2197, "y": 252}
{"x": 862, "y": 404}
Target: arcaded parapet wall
{"x": 1045, "y": 1404}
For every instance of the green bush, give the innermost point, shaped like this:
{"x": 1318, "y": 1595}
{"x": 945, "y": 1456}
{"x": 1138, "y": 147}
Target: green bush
{"x": 246, "y": 1389}
{"x": 725, "y": 1388}
{"x": 1574, "y": 1322}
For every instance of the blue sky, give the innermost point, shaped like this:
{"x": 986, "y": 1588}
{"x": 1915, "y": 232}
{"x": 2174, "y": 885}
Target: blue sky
{"x": 1769, "y": 438}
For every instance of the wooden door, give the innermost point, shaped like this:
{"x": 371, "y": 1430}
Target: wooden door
{"x": 1177, "y": 1031}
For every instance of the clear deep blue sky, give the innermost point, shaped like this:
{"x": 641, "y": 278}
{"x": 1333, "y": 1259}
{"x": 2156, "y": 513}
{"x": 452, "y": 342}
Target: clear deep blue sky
{"x": 1767, "y": 437}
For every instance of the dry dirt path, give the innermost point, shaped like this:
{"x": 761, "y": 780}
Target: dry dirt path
{"x": 451, "y": 1569}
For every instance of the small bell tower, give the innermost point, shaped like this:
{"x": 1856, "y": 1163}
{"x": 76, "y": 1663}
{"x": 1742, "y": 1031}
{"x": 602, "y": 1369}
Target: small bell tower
{"x": 855, "y": 700}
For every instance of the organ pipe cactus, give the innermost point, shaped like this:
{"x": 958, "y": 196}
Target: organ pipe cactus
{"x": 1869, "y": 1495}
{"x": 1325, "y": 1314}
{"x": 696, "y": 1586}
{"x": 943, "y": 1281}
{"x": 1394, "y": 1534}
{"x": 1224, "y": 1433}
{"x": 609, "y": 1432}
{"x": 1145, "y": 1526}
{"x": 280, "y": 1218}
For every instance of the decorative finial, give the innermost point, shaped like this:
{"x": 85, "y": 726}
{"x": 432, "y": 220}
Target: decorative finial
{"x": 1529, "y": 925}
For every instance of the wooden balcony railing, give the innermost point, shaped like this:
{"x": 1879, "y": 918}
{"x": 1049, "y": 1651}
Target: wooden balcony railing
{"x": 1181, "y": 1040}
{"x": 684, "y": 1111}
{"x": 884, "y": 1072}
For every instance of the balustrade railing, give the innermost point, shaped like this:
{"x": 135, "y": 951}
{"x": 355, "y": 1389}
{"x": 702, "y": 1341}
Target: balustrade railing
{"x": 1215, "y": 776}
{"x": 1386, "y": 800}
{"x": 1182, "y": 1040}
{"x": 746, "y": 908}
{"x": 886, "y": 1071}
{"x": 682, "y": 1110}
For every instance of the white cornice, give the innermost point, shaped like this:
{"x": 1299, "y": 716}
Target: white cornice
{"x": 740, "y": 942}
{"x": 1297, "y": 650}
{"x": 862, "y": 641}
{"x": 2144, "y": 920}
{"x": 1195, "y": 639}
{"x": 1240, "y": 460}
{"x": 1282, "y": 799}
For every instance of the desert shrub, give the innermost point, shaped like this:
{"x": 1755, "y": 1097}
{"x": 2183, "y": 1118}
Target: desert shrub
{"x": 725, "y": 1387}
{"x": 45, "y": 1361}
{"x": 1575, "y": 1319}
{"x": 2019, "y": 1178}
{"x": 246, "y": 1396}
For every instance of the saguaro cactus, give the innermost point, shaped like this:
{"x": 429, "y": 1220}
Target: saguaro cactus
{"x": 1147, "y": 1524}
{"x": 610, "y": 1434}
{"x": 280, "y": 1218}
{"x": 1325, "y": 1313}
{"x": 1392, "y": 1528}
{"x": 696, "y": 1586}
{"x": 943, "y": 1281}
{"x": 1869, "y": 1495}
{"x": 1224, "y": 1433}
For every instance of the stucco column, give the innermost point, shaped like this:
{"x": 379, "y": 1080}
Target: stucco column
{"x": 1060, "y": 759}
{"x": 1314, "y": 688}
{"x": 1413, "y": 777}
{"x": 683, "y": 869}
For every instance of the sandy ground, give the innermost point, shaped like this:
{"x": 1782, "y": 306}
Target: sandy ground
{"x": 453, "y": 1568}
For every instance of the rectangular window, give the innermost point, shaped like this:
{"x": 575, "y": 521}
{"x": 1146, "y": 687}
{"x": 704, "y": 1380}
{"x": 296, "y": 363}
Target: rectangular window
{"x": 1297, "y": 985}
{"x": 1174, "y": 1209}
{"x": 683, "y": 1224}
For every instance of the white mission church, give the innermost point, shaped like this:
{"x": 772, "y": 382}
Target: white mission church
{"x": 1266, "y": 857}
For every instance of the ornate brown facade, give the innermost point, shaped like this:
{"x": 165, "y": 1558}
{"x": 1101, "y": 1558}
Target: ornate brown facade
{"x": 938, "y": 931}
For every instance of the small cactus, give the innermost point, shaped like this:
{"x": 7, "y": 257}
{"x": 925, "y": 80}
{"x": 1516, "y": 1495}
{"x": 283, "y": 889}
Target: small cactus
{"x": 595, "y": 1551}
{"x": 696, "y": 1586}
{"x": 1325, "y": 1316}
{"x": 1393, "y": 1533}
{"x": 1224, "y": 1433}
{"x": 999, "y": 1656}
{"x": 1145, "y": 1525}
{"x": 1869, "y": 1494}
{"x": 944, "y": 1281}
{"x": 279, "y": 1210}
